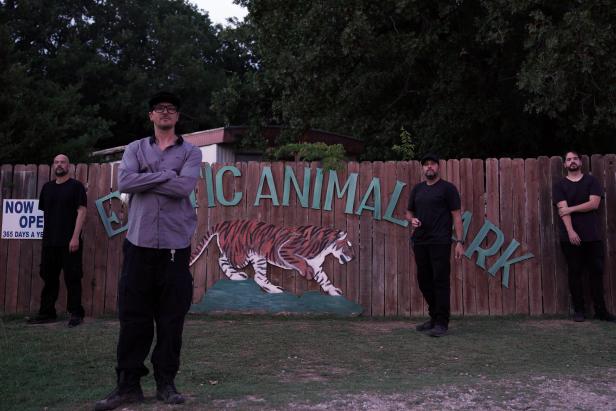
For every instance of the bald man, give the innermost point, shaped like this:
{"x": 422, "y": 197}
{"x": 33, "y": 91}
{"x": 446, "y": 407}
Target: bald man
{"x": 63, "y": 202}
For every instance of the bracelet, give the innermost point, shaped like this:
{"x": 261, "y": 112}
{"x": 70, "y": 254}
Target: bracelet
{"x": 458, "y": 241}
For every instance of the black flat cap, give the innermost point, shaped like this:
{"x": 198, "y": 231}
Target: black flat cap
{"x": 429, "y": 156}
{"x": 164, "y": 97}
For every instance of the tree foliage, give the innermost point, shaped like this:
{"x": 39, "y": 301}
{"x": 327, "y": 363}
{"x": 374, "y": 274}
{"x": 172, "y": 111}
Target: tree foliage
{"x": 78, "y": 73}
{"x": 465, "y": 78}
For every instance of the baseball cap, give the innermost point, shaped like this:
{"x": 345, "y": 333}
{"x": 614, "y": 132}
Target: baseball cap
{"x": 429, "y": 156}
{"x": 164, "y": 97}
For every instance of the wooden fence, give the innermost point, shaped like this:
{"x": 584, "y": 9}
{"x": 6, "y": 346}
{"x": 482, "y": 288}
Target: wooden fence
{"x": 513, "y": 194}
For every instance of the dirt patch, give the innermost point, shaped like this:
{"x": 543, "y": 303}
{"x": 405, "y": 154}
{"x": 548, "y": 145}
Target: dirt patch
{"x": 302, "y": 372}
{"x": 538, "y": 393}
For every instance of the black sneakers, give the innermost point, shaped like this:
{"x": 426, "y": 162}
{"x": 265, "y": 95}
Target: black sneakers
{"x": 439, "y": 330}
{"x": 169, "y": 394}
{"x": 119, "y": 397}
{"x": 427, "y": 326}
{"x": 74, "y": 321}
{"x": 42, "y": 319}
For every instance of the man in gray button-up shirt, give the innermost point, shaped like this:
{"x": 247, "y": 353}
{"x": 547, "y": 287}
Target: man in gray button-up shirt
{"x": 159, "y": 173}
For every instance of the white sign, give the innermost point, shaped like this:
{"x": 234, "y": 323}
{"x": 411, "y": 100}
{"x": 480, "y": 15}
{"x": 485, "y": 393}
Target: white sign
{"x": 22, "y": 220}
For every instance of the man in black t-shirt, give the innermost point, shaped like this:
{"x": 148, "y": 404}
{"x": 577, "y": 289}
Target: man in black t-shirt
{"x": 63, "y": 202}
{"x": 577, "y": 197}
{"x": 434, "y": 206}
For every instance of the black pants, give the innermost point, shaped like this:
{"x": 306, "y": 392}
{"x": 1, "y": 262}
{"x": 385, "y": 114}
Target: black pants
{"x": 54, "y": 260}
{"x": 589, "y": 255}
{"x": 153, "y": 289}
{"x": 433, "y": 269}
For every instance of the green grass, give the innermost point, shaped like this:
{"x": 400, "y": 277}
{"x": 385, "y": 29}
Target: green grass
{"x": 274, "y": 363}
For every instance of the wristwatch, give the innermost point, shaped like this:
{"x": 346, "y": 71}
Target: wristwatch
{"x": 455, "y": 240}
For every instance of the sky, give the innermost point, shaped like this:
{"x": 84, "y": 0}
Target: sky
{"x": 220, "y": 10}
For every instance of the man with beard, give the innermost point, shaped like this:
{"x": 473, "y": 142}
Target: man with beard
{"x": 434, "y": 206}
{"x": 63, "y": 202}
{"x": 159, "y": 173}
{"x": 577, "y": 197}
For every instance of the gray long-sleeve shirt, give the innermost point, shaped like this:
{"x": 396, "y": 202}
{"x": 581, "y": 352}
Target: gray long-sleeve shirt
{"x": 160, "y": 214}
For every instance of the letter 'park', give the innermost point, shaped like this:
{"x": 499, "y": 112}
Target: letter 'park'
{"x": 372, "y": 201}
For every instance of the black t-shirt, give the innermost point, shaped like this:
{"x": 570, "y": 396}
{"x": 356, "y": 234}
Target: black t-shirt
{"x": 433, "y": 205}
{"x": 586, "y": 225}
{"x": 60, "y": 202}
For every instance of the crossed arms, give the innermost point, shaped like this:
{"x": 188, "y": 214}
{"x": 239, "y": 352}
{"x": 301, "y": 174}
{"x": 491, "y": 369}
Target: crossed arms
{"x": 135, "y": 177}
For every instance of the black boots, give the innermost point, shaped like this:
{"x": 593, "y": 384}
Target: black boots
{"x": 169, "y": 394}
{"x": 127, "y": 391}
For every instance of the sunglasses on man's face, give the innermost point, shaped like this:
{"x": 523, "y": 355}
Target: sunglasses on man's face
{"x": 162, "y": 108}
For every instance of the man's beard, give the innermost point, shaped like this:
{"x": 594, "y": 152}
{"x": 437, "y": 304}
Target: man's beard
{"x": 573, "y": 167}
{"x": 166, "y": 127}
{"x": 60, "y": 172}
{"x": 431, "y": 175}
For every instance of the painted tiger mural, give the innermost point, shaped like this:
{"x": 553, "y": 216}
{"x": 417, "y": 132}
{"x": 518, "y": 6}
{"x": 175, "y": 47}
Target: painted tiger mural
{"x": 243, "y": 242}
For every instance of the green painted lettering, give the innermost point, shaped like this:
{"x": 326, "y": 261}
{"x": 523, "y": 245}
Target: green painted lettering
{"x": 220, "y": 196}
{"x": 375, "y": 186}
{"x": 266, "y": 175}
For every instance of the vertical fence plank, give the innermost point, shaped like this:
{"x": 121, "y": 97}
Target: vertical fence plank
{"x": 548, "y": 241}
{"x": 390, "y": 233}
{"x": 199, "y": 268}
{"x": 457, "y": 306}
{"x": 115, "y": 245}
{"x": 352, "y": 224}
{"x": 102, "y": 243}
{"x": 314, "y": 218}
{"x": 493, "y": 215}
{"x": 214, "y": 272}
{"x": 506, "y": 226}
{"x": 6, "y": 190}
{"x": 378, "y": 249}
{"x": 560, "y": 266}
{"x": 301, "y": 217}
{"x": 598, "y": 171}
{"x": 418, "y": 304}
{"x": 402, "y": 243}
{"x": 610, "y": 236}
{"x": 365, "y": 249}
{"x": 480, "y": 208}
{"x": 14, "y": 248}
{"x": 468, "y": 196}
{"x": 276, "y": 218}
{"x": 520, "y": 270}
{"x": 24, "y": 283}
{"x": 289, "y": 220}
{"x": 337, "y": 218}
{"x": 90, "y": 245}
{"x": 533, "y": 235}
{"x": 37, "y": 281}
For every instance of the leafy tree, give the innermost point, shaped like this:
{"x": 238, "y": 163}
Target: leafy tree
{"x": 470, "y": 78}
{"x": 78, "y": 73}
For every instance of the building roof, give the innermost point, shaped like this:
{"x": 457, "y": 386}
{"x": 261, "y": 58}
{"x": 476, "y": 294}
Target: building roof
{"x": 231, "y": 134}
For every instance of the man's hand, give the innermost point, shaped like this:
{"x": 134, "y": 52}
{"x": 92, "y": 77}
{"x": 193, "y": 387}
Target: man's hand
{"x": 458, "y": 251}
{"x": 574, "y": 238}
{"x": 73, "y": 245}
{"x": 563, "y": 211}
{"x": 415, "y": 222}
